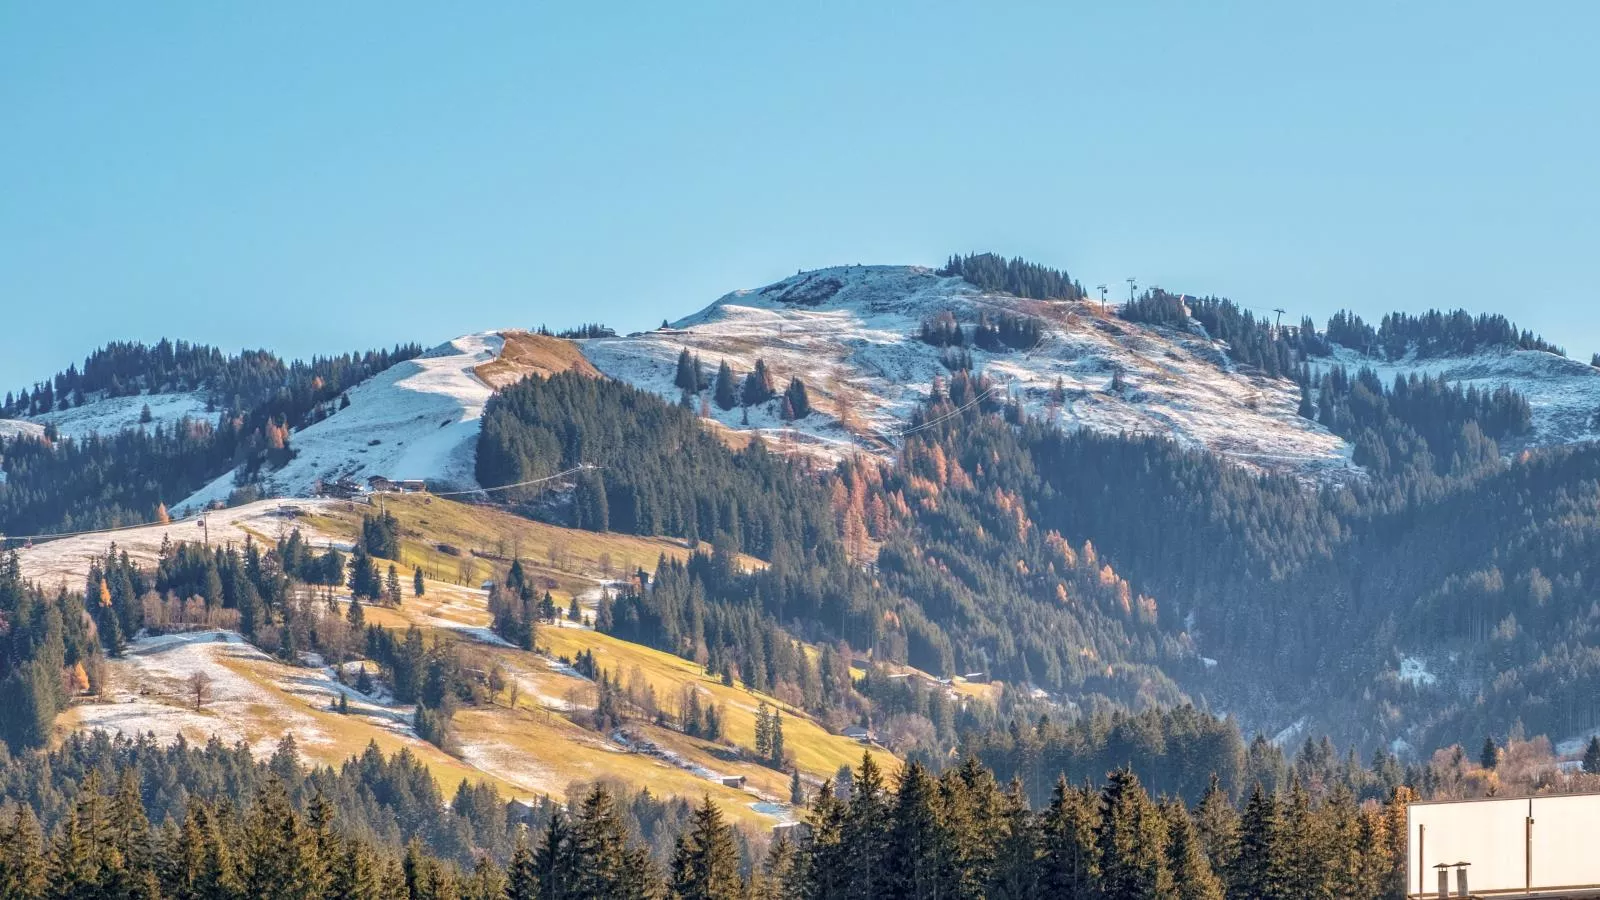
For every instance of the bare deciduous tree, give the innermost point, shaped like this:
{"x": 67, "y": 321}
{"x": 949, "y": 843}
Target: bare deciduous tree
{"x": 200, "y": 688}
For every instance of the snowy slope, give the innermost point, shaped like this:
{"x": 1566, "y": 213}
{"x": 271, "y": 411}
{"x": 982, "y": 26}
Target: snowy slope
{"x": 850, "y": 333}
{"x": 1563, "y": 393}
{"x": 111, "y": 415}
{"x": 417, "y": 419}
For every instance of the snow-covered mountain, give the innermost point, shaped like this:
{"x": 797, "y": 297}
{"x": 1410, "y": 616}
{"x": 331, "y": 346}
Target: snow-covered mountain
{"x": 417, "y": 419}
{"x": 851, "y": 334}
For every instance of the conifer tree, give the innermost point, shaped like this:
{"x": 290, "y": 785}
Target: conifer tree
{"x": 705, "y": 863}
{"x": 609, "y": 868}
{"x": 522, "y": 877}
{"x": 556, "y": 862}
{"x": 22, "y": 859}
{"x": 418, "y": 588}
{"x": 763, "y": 731}
{"x": 1260, "y": 869}
{"x": 1191, "y": 870}
{"x": 1489, "y": 756}
{"x": 797, "y": 791}
{"x": 921, "y": 849}
{"x": 726, "y": 394}
{"x": 865, "y": 834}
{"x": 757, "y": 388}
{"x": 1591, "y": 756}
{"x": 1071, "y": 856}
{"x": 775, "y": 751}
{"x": 1132, "y": 840}
{"x": 1217, "y": 826}
{"x": 1018, "y": 851}
{"x": 821, "y": 871}
{"x": 797, "y": 401}
{"x": 392, "y": 585}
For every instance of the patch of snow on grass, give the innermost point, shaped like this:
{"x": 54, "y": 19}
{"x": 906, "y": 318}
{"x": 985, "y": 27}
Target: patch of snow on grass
{"x": 114, "y": 414}
{"x": 1414, "y": 671}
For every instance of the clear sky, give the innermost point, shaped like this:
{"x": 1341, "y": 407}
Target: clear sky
{"x": 313, "y": 177}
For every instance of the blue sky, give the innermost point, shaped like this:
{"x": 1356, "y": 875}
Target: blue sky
{"x": 313, "y": 179}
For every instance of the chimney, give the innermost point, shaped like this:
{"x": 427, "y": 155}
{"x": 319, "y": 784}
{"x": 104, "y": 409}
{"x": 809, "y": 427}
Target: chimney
{"x": 1444, "y": 880}
{"x": 1461, "y": 880}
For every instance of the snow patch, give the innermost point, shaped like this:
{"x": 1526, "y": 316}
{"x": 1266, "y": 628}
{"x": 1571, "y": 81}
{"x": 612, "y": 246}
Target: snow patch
{"x": 1414, "y": 671}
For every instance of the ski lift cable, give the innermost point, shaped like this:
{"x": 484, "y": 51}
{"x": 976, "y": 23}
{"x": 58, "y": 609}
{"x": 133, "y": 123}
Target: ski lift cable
{"x": 505, "y": 487}
{"x": 975, "y": 400}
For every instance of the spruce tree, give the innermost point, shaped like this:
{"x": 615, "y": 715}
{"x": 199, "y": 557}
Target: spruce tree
{"x": 1591, "y": 756}
{"x": 725, "y": 394}
{"x": 799, "y": 402}
{"x": 392, "y": 585}
{"x": 865, "y": 834}
{"x": 1191, "y": 870}
{"x": 1071, "y": 856}
{"x": 418, "y": 588}
{"x": 522, "y": 877}
{"x": 1489, "y": 756}
{"x": 1018, "y": 850}
{"x": 600, "y": 841}
{"x": 556, "y": 863}
{"x": 1217, "y": 826}
{"x": 22, "y": 859}
{"x": 1132, "y": 839}
{"x": 1259, "y": 872}
{"x": 921, "y": 849}
{"x": 705, "y": 863}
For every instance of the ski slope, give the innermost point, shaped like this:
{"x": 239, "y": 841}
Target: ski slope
{"x": 419, "y": 419}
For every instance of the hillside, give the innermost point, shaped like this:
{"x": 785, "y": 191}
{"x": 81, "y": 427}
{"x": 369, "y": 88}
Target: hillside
{"x": 528, "y": 743}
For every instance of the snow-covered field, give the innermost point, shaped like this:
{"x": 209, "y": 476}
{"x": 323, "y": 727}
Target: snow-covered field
{"x": 417, "y": 419}
{"x": 150, "y": 694}
{"x": 850, "y": 334}
{"x": 65, "y": 561}
{"x": 114, "y": 414}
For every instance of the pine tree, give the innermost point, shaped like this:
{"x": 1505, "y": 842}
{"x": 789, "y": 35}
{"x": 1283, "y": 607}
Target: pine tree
{"x": 1018, "y": 852}
{"x": 1489, "y": 756}
{"x": 1591, "y": 756}
{"x": 556, "y": 863}
{"x": 864, "y": 834}
{"x": 776, "y": 750}
{"x": 1217, "y": 826}
{"x": 705, "y": 863}
{"x": 797, "y": 791}
{"x": 356, "y": 615}
{"x": 1071, "y": 861}
{"x": 392, "y": 585}
{"x": 1132, "y": 840}
{"x": 418, "y": 588}
{"x": 921, "y": 849}
{"x": 1191, "y": 870}
{"x": 1259, "y": 872}
{"x": 726, "y": 394}
{"x": 22, "y": 859}
{"x": 797, "y": 401}
{"x": 600, "y": 840}
{"x": 522, "y": 877}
